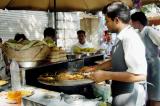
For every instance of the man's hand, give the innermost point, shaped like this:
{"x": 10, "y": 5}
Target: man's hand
{"x": 87, "y": 69}
{"x": 98, "y": 76}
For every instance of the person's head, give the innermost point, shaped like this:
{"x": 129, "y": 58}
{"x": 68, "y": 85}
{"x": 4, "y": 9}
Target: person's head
{"x": 20, "y": 37}
{"x": 0, "y": 40}
{"x": 107, "y": 36}
{"x": 50, "y": 32}
{"x": 139, "y": 20}
{"x": 81, "y": 36}
{"x": 117, "y": 14}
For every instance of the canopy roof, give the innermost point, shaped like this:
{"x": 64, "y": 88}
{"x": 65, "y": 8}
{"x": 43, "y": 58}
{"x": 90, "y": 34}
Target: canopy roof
{"x": 144, "y": 2}
{"x": 61, "y": 5}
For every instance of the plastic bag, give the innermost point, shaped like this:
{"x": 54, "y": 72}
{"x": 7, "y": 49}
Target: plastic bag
{"x": 15, "y": 75}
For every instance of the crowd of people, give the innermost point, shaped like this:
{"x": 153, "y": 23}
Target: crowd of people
{"x": 134, "y": 60}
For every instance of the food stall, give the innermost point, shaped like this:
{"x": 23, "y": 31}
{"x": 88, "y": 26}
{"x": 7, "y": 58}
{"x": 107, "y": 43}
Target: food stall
{"x": 40, "y": 71}
{"x": 33, "y": 75}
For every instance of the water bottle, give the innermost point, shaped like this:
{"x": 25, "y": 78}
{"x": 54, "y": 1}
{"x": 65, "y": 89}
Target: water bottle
{"x": 15, "y": 75}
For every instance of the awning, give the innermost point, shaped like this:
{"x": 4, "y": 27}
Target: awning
{"x": 61, "y": 5}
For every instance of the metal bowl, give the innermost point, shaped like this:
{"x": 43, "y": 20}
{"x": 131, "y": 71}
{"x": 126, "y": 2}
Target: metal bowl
{"x": 73, "y": 98}
{"x": 71, "y": 56}
{"x": 28, "y": 64}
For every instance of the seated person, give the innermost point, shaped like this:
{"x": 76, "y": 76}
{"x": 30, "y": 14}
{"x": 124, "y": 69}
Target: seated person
{"x": 50, "y": 33}
{"x": 2, "y": 63}
{"x": 82, "y": 42}
{"x": 20, "y": 37}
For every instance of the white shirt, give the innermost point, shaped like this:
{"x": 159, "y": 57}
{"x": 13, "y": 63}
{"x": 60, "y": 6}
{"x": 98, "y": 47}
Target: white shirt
{"x": 85, "y": 45}
{"x": 153, "y": 34}
{"x": 134, "y": 51}
{"x": 107, "y": 46}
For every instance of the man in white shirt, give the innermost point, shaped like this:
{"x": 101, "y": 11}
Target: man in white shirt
{"x": 82, "y": 42}
{"x": 129, "y": 66}
{"x": 151, "y": 39}
{"x": 106, "y": 44}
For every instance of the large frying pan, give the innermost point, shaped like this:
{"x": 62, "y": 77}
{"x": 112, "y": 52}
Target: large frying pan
{"x": 67, "y": 82}
{"x": 82, "y": 86}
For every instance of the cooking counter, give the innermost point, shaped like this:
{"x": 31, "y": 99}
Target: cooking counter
{"x": 42, "y": 97}
{"x": 32, "y": 74}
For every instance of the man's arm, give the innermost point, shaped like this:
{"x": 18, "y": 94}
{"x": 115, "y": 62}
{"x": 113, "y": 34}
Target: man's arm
{"x": 103, "y": 66}
{"x": 107, "y": 65}
{"x": 100, "y": 75}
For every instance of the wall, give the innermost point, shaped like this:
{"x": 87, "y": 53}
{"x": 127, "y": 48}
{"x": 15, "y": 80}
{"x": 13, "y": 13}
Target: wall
{"x": 33, "y": 23}
{"x": 90, "y": 25}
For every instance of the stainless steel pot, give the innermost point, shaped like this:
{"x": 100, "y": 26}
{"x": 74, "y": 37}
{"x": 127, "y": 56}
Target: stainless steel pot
{"x": 74, "y": 98}
{"x": 28, "y": 64}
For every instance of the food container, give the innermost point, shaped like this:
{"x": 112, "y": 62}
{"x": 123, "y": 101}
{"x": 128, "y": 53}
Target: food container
{"x": 31, "y": 54}
{"x": 27, "y": 64}
{"x": 75, "y": 98}
{"x": 71, "y": 56}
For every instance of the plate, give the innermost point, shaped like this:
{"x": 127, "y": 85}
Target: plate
{"x": 14, "y": 97}
{"x": 11, "y": 101}
{"x": 26, "y": 92}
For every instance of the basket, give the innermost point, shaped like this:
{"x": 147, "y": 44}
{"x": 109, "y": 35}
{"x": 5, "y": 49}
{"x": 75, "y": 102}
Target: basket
{"x": 34, "y": 53}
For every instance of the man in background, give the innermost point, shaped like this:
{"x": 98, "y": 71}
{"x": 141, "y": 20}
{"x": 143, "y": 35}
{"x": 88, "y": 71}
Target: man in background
{"x": 20, "y": 37}
{"x": 2, "y": 63}
{"x": 151, "y": 39}
{"x": 50, "y": 33}
{"x": 106, "y": 44}
{"x": 82, "y": 42}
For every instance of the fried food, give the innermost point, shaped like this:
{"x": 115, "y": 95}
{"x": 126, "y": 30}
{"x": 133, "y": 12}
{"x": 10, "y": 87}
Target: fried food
{"x": 78, "y": 50}
{"x": 46, "y": 77}
{"x": 61, "y": 76}
{"x": 16, "y": 96}
{"x": 69, "y": 76}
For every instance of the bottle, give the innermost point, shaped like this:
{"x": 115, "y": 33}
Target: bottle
{"x": 15, "y": 75}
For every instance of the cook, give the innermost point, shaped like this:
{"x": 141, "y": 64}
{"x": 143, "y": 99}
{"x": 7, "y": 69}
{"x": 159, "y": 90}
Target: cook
{"x": 129, "y": 66}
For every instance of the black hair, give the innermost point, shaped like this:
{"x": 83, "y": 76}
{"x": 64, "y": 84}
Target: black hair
{"x": 117, "y": 9}
{"x": 139, "y": 16}
{"x": 19, "y": 37}
{"x": 81, "y": 32}
{"x": 0, "y": 40}
{"x": 50, "y": 32}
